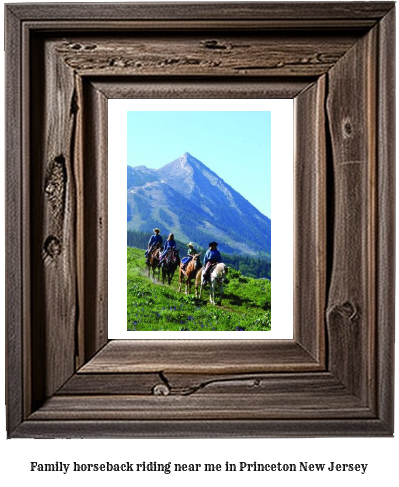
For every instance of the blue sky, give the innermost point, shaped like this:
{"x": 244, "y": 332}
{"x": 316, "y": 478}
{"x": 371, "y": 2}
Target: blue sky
{"x": 236, "y": 145}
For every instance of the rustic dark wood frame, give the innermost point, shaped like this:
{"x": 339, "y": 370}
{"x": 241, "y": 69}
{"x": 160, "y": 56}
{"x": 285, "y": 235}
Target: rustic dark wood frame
{"x": 64, "y": 378}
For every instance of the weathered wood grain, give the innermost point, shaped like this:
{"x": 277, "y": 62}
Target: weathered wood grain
{"x": 192, "y": 428}
{"x": 240, "y": 55}
{"x": 310, "y": 237}
{"x": 77, "y": 153}
{"x": 351, "y": 305}
{"x": 200, "y": 356}
{"x": 193, "y": 87}
{"x": 53, "y": 219}
{"x": 95, "y": 228}
{"x": 316, "y": 26}
{"x": 207, "y": 11}
{"x": 186, "y": 384}
{"x": 211, "y": 403}
{"x": 251, "y": 408}
{"x": 113, "y": 384}
{"x": 385, "y": 224}
{"x": 15, "y": 249}
{"x": 270, "y": 383}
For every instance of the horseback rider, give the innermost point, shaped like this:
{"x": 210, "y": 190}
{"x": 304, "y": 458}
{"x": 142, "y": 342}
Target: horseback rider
{"x": 155, "y": 241}
{"x": 191, "y": 250}
{"x": 211, "y": 258}
{"x": 190, "y": 253}
{"x": 169, "y": 245}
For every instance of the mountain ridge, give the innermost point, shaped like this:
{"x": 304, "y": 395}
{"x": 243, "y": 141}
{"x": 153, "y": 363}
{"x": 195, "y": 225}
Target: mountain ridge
{"x": 187, "y": 198}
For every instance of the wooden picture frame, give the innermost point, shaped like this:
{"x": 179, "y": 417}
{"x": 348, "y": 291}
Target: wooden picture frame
{"x": 335, "y": 378}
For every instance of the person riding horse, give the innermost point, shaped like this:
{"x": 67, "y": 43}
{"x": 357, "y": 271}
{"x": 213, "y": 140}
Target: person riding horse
{"x": 211, "y": 258}
{"x": 190, "y": 253}
{"x": 155, "y": 241}
{"x": 169, "y": 245}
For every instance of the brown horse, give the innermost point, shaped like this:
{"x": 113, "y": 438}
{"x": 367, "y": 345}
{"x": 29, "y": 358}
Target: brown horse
{"x": 191, "y": 271}
{"x": 169, "y": 265}
{"x": 153, "y": 261}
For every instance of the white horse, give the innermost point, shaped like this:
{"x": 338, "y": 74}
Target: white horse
{"x": 218, "y": 275}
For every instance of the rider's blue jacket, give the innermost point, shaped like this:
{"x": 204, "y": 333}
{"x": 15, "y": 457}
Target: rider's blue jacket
{"x": 170, "y": 244}
{"x": 155, "y": 239}
{"x": 212, "y": 255}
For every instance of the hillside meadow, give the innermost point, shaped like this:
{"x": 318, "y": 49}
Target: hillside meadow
{"x": 246, "y": 304}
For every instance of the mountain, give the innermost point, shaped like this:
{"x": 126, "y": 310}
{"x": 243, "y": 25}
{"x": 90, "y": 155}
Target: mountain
{"x": 187, "y": 198}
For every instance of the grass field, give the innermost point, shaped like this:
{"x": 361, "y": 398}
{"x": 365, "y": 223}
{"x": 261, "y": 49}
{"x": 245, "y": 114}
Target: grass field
{"x": 246, "y": 304}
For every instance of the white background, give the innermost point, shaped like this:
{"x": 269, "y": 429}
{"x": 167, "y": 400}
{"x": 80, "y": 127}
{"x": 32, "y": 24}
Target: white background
{"x": 282, "y": 212}
{"x": 380, "y": 453}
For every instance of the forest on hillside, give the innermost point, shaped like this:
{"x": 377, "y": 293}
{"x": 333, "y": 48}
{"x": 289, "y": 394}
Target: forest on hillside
{"x": 258, "y": 268}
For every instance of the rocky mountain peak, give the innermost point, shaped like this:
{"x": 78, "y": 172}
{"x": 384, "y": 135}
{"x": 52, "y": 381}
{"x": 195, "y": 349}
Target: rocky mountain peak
{"x": 188, "y": 159}
{"x": 197, "y": 204}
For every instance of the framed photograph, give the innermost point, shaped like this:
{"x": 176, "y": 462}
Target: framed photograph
{"x": 199, "y": 202}
{"x": 66, "y": 378}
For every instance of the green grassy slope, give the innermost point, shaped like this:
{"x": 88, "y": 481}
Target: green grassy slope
{"x": 246, "y": 304}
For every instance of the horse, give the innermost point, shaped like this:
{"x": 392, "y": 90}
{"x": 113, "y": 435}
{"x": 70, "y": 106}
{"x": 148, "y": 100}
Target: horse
{"x": 153, "y": 261}
{"x": 191, "y": 271}
{"x": 169, "y": 265}
{"x": 218, "y": 275}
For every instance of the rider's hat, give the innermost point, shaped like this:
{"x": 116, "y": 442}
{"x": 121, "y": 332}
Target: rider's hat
{"x": 213, "y": 243}
{"x": 156, "y": 230}
{"x": 190, "y": 244}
